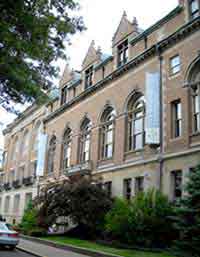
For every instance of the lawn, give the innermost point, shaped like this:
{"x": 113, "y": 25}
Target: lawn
{"x": 98, "y": 247}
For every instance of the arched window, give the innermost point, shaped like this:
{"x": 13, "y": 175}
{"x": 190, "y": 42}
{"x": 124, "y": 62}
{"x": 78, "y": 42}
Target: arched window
{"x": 51, "y": 154}
{"x": 136, "y": 124}
{"x": 194, "y": 83}
{"x": 67, "y": 142}
{"x": 25, "y": 142}
{"x": 85, "y": 140}
{"x": 35, "y": 137}
{"x": 107, "y": 133}
{"x": 15, "y": 149}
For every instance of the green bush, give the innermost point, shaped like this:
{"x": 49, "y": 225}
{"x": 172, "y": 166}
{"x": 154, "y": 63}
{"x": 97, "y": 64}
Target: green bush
{"x": 144, "y": 221}
{"x": 29, "y": 223}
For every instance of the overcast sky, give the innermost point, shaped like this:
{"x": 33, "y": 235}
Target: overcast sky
{"x": 101, "y": 18}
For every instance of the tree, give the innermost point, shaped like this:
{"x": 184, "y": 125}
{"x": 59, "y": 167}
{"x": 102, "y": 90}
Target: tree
{"x": 188, "y": 213}
{"x": 81, "y": 200}
{"x": 33, "y": 34}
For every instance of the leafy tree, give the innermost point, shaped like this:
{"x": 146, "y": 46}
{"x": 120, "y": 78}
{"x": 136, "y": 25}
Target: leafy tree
{"x": 82, "y": 201}
{"x": 188, "y": 221}
{"x": 144, "y": 221}
{"x": 33, "y": 34}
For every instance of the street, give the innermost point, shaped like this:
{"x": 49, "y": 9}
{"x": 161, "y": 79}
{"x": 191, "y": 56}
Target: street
{"x": 15, "y": 253}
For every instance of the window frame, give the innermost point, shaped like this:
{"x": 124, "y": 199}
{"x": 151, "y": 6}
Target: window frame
{"x": 89, "y": 73}
{"x": 172, "y": 67}
{"x": 127, "y": 188}
{"x": 64, "y": 95}
{"x": 139, "y": 184}
{"x": 67, "y": 148}
{"x": 131, "y": 124}
{"x": 177, "y": 122}
{"x": 85, "y": 138}
{"x": 175, "y": 175}
{"x": 51, "y": 155}
{"x": 107, "y": 126}
{"x": 195, "y": 94}
{"x": 122, "y": 51}
{"x": 192, "y": 14}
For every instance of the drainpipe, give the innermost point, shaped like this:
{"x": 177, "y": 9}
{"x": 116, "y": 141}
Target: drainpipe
{"x": 160, "y": 159}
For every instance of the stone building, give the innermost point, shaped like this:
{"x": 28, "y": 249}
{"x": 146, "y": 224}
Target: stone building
{"x": 130, "y": 119}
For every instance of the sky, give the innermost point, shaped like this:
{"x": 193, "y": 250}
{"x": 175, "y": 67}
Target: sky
{"x": 102, "y": 18}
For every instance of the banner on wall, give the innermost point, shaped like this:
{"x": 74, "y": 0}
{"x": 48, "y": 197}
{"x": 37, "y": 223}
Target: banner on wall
{"x": 152, "y": 108}
{"x": 41, "y": 154}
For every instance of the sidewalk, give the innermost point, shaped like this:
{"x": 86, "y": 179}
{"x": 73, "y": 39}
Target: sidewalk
{"x": 47, "y": 251}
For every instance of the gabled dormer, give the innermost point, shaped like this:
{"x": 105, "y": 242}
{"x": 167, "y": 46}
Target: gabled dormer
{"x": 126, "y": 30}
{"x": 70, "y": 79}
{"x": 92, "y": 57}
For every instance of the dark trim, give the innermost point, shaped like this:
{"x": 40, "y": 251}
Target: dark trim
{"x": 156, "y": 25}
{"x": 98, "y": 66}
{"x": 176, "y": 37}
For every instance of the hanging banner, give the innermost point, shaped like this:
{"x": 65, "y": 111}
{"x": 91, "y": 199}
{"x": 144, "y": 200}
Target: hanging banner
{"x": 153, "y": 108}
{"x": 41, "y": 154}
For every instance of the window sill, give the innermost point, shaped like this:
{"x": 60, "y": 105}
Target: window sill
{"x": 174, "y": 75}
{"x": 134, "y": 151}
{"x": 175, "y": 139}
{"x": 194, "y": 134}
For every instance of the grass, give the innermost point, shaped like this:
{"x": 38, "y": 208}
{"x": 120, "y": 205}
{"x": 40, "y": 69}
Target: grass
{"x": 98, "y": 247}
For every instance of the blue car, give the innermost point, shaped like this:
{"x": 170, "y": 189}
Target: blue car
{"x": 8, "y": 237}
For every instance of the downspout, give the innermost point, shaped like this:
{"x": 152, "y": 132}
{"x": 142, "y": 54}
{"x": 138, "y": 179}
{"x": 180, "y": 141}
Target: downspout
{"x": 160, "y": 159}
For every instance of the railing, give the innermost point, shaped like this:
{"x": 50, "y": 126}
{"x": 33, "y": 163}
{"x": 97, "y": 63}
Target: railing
{"x": 82, "y": 168}
{"x": 7, "y": 186}
{"x": 16, "y": 183}
{"x": 28, "y": 181}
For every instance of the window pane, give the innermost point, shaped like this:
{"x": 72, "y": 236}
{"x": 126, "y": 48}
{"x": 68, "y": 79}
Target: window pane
{"x": 138, "y": 126}
{"x": 109, "y": 137}
{"x": 196, "y": 104}
{"x": 179, "y": 110}
{"x": 138, "y": 141}
{"x": 194, "y": 6}
{"x": 109, "y": 149}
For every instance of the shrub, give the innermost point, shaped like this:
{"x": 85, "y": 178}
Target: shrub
{"x": 29, "y": 221}
{"x": 144, "y": 221}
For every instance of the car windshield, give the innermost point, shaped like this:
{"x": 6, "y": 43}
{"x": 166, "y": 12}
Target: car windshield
{"x": 9, "y": 226}
{"x": 3, "y": 226}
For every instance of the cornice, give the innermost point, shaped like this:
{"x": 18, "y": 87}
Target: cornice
{"x": 161, "y": 46}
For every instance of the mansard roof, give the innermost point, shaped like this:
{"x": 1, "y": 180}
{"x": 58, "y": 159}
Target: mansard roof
{"x": 124, "y": 29}
{"x": 91, "y": 56}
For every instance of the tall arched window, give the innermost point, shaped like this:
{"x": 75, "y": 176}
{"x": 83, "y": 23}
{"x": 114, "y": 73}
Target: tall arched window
{"x": 67, "y": 142}
{"x": 136, "y": 124}
{"x": 107, "y": 133}
{"x": 51, "y": 154}
{"x": 35, "y": 137}
{"x": 25, "y": 142}
{"x": 85, "y": 140}
{"x": 15, "y": 149}
{"x": 194, "y": 83}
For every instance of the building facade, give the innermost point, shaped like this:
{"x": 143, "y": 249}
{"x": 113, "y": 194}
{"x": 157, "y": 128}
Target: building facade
{"x": 131, "y": 120}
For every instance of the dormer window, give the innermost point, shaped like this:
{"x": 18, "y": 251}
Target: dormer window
{"x": 194, "y": 8}
{"x": 64, "y": 93}
{"x": 88, "y": 77}
{"x": 123, "y": 53}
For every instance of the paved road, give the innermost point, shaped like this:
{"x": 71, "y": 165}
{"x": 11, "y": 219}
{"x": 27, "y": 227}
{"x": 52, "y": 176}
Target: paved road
{"x": 47, "y": 251}
{"x": 15, "y": 253}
